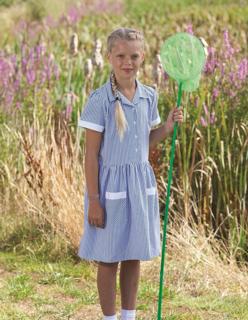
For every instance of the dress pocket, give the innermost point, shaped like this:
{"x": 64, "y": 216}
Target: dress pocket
{"x": 117, "y": 219}
{"x": 151, "y": 191}
{"x": 152, "y": 201}
{"x": 153, "y": 213}
{"x": 116, "y": 206}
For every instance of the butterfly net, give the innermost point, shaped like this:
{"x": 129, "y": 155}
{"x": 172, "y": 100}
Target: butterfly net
{"x": 183, "y": 58}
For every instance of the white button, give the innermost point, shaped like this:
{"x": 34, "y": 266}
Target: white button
{"x": 136, "y": 136}
{"x": 136, "y": 149}
{"x": 134, "y": 122}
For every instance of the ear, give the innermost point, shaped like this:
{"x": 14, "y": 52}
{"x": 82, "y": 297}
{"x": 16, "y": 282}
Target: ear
{"x": 142, "y": 57}
{"x": 109, "y": 57}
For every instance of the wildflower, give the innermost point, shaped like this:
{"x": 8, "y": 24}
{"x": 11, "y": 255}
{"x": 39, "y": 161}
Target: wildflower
{"x": 212, "y": 118}
{"x": 68, "y": 111}
{"x": 157, "y": 70}
{"x": 97, "y": 58}
{"x": 189, "y": 29}
{"x": 88, "y": 68}
{"x": 30, "y": 75}
{"x": 204, "y": 122}
{"x": 215, "y": 94}
{"x": 243, "y": 69}
{"x": 74, "y": 44}
{"x": 229, "y": 50}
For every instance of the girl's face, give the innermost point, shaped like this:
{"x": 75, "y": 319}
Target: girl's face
{"x": 126, "y": 58}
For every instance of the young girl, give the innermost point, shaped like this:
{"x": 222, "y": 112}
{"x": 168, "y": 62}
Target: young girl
{"x": 121, "y": 217}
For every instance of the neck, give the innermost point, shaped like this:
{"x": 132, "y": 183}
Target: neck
{"x": 126, "y": 84}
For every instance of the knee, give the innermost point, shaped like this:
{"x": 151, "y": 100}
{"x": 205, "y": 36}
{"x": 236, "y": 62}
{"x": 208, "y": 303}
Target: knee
{"x": 111, "y": 266}
{"x": 131, "y": 262}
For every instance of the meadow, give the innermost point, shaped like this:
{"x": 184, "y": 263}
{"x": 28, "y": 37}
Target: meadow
{"x": 53, "y": 54}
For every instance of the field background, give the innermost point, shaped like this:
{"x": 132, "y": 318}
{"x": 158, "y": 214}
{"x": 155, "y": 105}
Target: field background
{"x": 46, "y": 73}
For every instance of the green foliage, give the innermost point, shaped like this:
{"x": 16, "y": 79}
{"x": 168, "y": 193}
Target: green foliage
{"x": 19, "y": 287}
{"x": 6, "y": 3}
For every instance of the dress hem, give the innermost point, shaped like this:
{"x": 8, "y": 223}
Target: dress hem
{"x": 148, "y": 258}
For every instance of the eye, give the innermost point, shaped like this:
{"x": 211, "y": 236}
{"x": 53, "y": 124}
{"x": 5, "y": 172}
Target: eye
{"x": 120, "y": 56}
{"x": 135, "y": 56}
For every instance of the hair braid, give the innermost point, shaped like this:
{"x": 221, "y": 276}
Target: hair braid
{"x": 120, "y": 119}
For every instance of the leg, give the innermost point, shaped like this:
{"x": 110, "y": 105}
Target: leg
{"x": 129, "y": 282}
{"x": 106, "y": 284}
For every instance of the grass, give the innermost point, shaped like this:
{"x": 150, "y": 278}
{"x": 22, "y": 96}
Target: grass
{"x": 40, "y": 289}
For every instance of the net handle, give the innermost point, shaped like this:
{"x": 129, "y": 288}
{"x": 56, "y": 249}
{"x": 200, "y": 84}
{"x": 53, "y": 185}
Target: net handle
{"x": 172, "y": 154}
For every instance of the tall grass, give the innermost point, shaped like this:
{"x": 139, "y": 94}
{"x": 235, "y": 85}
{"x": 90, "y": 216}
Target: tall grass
{"x": 49, "y": 184}
{"x": 43, "y": 88}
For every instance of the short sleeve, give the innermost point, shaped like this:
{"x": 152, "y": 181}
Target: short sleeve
{"x": 155, "y": 118}
{"x": 92, "y": 116}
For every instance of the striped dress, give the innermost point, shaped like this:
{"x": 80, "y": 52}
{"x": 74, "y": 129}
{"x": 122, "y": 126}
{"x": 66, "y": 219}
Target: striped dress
{"x": 127, "y": 184}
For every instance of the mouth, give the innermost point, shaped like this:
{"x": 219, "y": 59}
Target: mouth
{"x": 127, "y": 70}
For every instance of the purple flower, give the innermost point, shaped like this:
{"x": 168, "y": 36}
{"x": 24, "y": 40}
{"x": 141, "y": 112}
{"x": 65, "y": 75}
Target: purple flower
{"x": 21, "y": 26}
{"x": 189, "y": 29}
{"x": 206, "y": 110}
{"x": 212, "y": 62}
{"x": 215, "y": 93}
{"x": 30, "y": 75}
{"x": 43, "y": 77}
{"x": 40, "y": 50}
{"x": 233, "y": 79}
{"x": 243, "y": 69}
{"x": 229, "y": 50}
{"x": 73, "y": 15}
{"x": 50, "y": 22}
{"x": 204, "y": 122}
{"x": 68, "y": 112}
{"x": 16, "y": 84}
{"x": 9, "y": 98}
{"x": 24, "y": 62}
{"x": 18, "y": 105}
{"x": 212, "y": 118}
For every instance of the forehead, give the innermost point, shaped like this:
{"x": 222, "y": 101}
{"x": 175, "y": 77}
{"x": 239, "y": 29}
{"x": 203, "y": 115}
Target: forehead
{"x": 127, "y": 46}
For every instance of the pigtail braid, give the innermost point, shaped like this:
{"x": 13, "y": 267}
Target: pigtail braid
{"x": 120, "y": 119}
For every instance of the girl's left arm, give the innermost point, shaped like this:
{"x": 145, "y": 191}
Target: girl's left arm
{"x": 165, "y": 130}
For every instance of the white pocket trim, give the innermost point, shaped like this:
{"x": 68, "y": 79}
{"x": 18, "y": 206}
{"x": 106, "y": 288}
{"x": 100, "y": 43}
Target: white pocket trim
{"x": 116, "y": 195}
{"x": 151, "y": 191}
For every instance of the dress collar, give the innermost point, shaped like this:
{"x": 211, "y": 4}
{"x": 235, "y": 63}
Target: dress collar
{"x": 139, "y": 93}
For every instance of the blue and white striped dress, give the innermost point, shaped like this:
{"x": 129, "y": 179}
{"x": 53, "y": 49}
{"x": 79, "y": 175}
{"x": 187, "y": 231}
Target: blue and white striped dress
{"x": 127, "y": 184}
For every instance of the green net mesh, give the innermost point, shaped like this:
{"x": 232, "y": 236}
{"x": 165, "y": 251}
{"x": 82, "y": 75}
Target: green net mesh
{"x": 183, "y": 58}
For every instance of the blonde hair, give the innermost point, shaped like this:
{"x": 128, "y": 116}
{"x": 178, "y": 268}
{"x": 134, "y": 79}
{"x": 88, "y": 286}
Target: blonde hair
{"x": 121, "y": 34}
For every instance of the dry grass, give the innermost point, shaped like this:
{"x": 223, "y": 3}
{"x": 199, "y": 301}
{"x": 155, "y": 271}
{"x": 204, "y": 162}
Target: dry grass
{"x": 194, "y": 265}
{"x": 49, "y": 187}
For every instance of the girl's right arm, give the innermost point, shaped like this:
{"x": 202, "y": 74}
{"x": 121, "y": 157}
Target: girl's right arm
{"x": 93, "y": 143}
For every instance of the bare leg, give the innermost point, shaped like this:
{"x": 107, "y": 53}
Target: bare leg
{"x": 106, "y": 284}
{"x": 129, "y": 282}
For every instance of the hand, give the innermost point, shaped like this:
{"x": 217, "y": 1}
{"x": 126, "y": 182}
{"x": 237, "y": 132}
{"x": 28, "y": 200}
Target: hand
{"x": 96, "y": 214}
{"x": 175, "y": 115}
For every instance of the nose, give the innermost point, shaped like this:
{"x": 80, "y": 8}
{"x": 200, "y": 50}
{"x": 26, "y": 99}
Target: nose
{"x": 127, "y": 60}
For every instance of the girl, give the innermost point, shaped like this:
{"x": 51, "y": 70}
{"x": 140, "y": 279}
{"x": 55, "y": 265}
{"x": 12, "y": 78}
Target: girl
{"x": 121, "y": 221}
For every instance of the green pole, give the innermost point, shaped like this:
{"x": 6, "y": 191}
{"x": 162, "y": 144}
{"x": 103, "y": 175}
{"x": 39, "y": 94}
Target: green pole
{"x": 172, "y": 154}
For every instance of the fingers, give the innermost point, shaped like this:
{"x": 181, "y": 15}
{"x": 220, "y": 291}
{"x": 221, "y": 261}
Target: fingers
{"x": 98, "y": 223}
{"x": 177, "y": 115}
